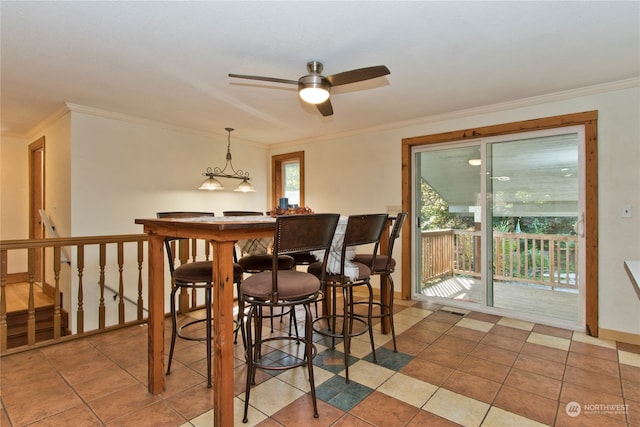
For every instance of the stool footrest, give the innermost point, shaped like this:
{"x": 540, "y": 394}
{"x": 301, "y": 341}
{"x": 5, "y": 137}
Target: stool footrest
{"x": 292, "y": 362}
{"x": 334, "y": 334}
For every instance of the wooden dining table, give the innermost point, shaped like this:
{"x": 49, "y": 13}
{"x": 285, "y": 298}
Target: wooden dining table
{"x": 222, "y": 232}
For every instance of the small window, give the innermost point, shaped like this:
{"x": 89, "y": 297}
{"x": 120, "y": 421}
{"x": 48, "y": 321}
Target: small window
{"x": 288, "y": 177}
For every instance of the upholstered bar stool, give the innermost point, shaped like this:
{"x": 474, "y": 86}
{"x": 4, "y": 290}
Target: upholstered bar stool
{"x": 385, "y": 265}
{"x": 254, "y": 258}
{"x": 302, "y": 259}
{"x": 192, "y": 275}
{"x": 287, "y": 289}
{"x": 360, "y": 230}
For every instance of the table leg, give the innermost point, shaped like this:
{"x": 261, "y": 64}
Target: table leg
{"x": 156, "y": 314}
{"x": 223, "y": 333}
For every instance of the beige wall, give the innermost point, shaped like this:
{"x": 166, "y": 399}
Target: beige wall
{"x": 124, "y": 169}
{"x": 14, "y": 196}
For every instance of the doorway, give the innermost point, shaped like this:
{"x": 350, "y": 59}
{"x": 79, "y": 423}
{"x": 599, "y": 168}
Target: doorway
{"x": 498, "y": 225}
{"x": 36, "y": 201}
{"x": 481, "y": 248}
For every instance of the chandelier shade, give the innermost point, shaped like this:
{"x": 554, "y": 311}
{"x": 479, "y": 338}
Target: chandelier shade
{"x": 245, "y": 187}
{"x": 211, "y": 183}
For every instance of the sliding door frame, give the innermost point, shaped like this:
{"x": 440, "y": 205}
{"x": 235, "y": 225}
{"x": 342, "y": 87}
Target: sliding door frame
{"x": 588, "y": 119}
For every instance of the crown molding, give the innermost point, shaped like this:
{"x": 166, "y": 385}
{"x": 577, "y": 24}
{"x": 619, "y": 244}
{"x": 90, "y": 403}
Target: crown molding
{"x": 485, "y": 109}
{"x": 83, "y": 109}
{"x": 509, "y": 105}
{"x": 53, "y": 117}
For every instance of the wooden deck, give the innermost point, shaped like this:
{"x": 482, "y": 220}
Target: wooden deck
{"x": 522, "y": 298}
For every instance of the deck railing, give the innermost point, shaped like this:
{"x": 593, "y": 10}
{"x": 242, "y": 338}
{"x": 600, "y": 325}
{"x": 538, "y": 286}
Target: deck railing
{"x": 115, "y": 300}
{"x": 545, "y": 259}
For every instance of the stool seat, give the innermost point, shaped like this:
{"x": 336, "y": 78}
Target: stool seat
{"x": 259, "y": 263}
{"x": 380, "y": 262}
{"x": 194, "y": 272}
{"x": 364, "y": 272}
{"x": 304, "y": 258}
{"x": 292, "y": 285}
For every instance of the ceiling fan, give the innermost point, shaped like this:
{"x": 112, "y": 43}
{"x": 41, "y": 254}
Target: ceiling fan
{"x": 314, "y": 88}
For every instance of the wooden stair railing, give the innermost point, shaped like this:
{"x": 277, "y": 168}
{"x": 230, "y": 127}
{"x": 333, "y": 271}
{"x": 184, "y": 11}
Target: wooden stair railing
{"x": 103, "y": 257}
{"x": 37, "y": 324}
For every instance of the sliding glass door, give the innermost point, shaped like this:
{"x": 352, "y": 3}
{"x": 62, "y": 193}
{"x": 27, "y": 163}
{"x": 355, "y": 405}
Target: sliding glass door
{"x": 449, "y": 223}
{"x": 499, "y": 225}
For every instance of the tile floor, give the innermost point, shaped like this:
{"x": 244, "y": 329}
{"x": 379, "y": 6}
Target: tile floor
{"x": 468, "y": 369}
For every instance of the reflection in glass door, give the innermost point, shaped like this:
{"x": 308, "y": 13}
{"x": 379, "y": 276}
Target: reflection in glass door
{"x": 449, "y": 232}
{"x": 497, "y": 222}
{"x": 534, "y": 187}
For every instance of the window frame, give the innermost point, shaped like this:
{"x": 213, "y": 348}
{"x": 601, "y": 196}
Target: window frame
{"x": 588, "y": 119}
{"x": 277, "y": 178}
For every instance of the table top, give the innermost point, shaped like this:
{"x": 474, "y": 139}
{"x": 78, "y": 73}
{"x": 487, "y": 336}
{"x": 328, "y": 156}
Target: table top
{"x": 220, "y": 222}
{"x": 235, "y": 228}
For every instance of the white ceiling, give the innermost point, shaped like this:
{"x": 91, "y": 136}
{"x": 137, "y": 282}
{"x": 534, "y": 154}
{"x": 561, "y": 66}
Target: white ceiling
{"x": 168, "y": 61}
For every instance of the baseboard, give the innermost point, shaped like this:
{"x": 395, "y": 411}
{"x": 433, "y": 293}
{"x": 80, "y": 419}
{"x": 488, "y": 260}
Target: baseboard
{"x": 626, "y": 337}
{"x": 17, "y": 277}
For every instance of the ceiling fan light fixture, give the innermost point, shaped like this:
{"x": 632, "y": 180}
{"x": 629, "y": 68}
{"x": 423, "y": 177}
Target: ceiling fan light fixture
{"x": 313, "y": 89}
{"x": 314, "y": 95}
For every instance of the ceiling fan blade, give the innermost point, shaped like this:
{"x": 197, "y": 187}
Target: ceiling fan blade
{"x": 325, "y": 108}
{"x": 264, "y": 79}
{"x": 358, "y": 75}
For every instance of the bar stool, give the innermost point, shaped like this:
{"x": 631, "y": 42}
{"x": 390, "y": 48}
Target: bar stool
{"x": 360, "y": 230}
{"x": 255, "y": 259}
{"x": 385, "y": 265}
{"x": 192, "y": 275}
{"x": 286, "y": 289}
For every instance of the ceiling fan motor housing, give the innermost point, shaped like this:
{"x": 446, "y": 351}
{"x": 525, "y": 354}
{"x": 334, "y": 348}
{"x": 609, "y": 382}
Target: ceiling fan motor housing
{"x": 314, "y": 88}
{"x": 313, "y": 81}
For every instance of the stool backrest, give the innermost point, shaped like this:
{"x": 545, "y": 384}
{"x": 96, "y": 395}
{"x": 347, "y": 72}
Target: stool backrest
{"x": 246, "y": 246}
{"x": 302, "y": 233}
{"x": 393, "y": 236}
{"x": 168, "y": 240}
{"x": 363, "y": 230}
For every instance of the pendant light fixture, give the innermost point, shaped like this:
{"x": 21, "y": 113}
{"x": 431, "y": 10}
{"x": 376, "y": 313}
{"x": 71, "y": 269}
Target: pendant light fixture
{"x": 211, "y": 183}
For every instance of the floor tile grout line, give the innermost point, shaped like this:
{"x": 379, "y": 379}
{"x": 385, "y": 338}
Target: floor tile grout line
{"x": 69, "y": 385}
